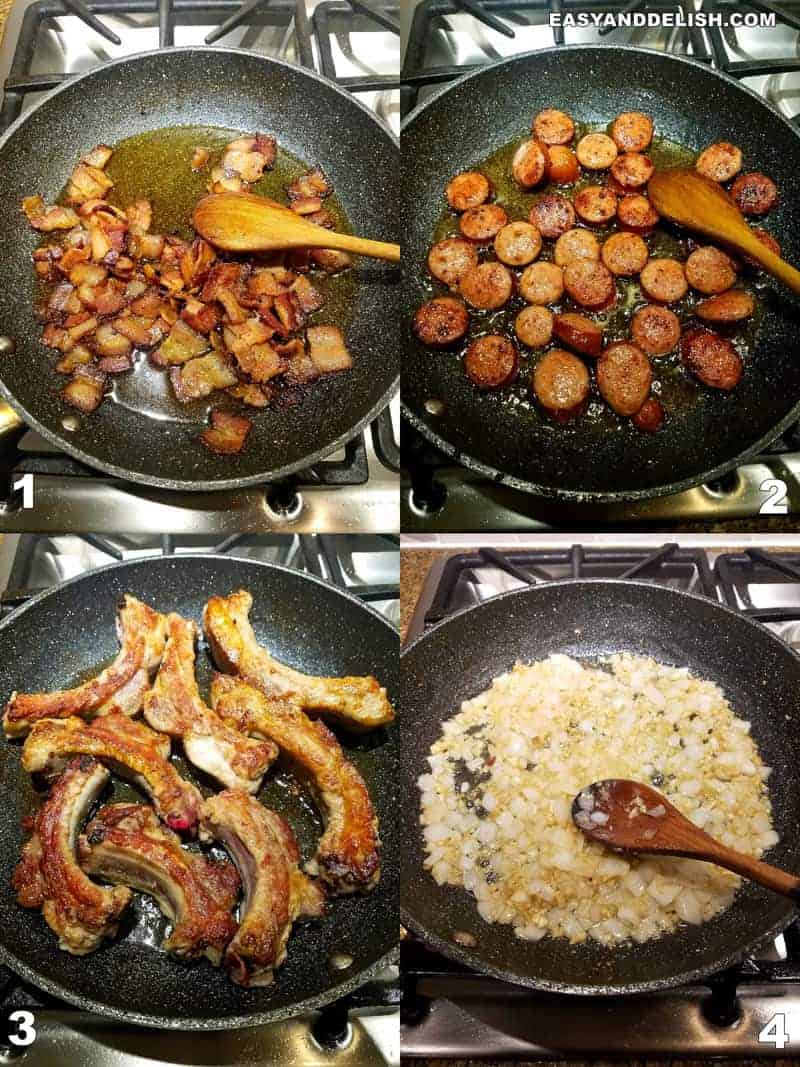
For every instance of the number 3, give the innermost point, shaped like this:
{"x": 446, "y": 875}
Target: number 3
{"x": 26, "y": 1032}
{"x": 772, "y": 1035}
{"x": 775, "y": 504}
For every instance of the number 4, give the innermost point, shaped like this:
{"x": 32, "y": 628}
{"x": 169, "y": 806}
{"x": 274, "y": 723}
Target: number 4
{"x": 774, "y": 1033}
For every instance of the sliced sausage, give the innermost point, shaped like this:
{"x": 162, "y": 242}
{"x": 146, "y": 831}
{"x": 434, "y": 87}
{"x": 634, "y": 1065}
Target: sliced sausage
{"x": 480, "y": 224}
{"x": 579, "y": 333}
{"x": 768, "y": 241}
{"x": 595, "y": 203}
{"x": 664, "y": 280}
{"x": 754, "y": 193}
{"x": 656, "y": 330}
{"x": 632, "y": 131}
{"x": 650, "y": 416}
{"x": 450, "y": 259}
{"x": 711, "y": 358}
{"x": 721, "y": 161}
{"x": 732, "y": 306}
{"x": 561, "y": 384}
{"x": 624, "y": 377}
{"x": 589, "y": 283}
{"x": 596, "y": 151}
{"x": 534, "y": 326}
{"x": 552, "y": 215}
{"x": 624, "y": 253}
{"x": 709, "y": 270}
{"x": 636, "y": 214}
{"x": 529, "y": 164}
{"x": 487, "y": 286}
{"x": 468, "y": 189}
{"x": 518, "y": 243}
{"x": 553, "y": 127}
{"x": 542, "y": 283}
{"x": 632, "y": 170}
{"x": 491, "y": 361}
{"x": 441, "y": 321}
{"x": 576, "y": 244}
{"x": 562, "y": 165}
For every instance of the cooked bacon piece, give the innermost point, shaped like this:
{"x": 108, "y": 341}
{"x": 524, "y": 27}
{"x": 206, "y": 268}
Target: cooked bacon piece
{"x": 288, "y": 312}
{"x": 109, "y": 297}
{"x": 347, "y": 857}
{"x": 63, "y": 300}
{"x": 196, "y": 263}
{"x": 45, "y": 261}
{"x": 200, "y": 157}
{"x": 248, "y": 157}
{"x": 252, "y": 351}
{"x": 132, "y": 749}
{"x": 46, "y": 219}
{"x": 327, "y": 349}
{"x": 201, "y": 376}
{"x": 73, "y": 256}
{"x": 87, "y": 183}
{"x": 81, "y": 913}
{"x": 306, "y": 205}
{"x": 140, "y": 216}
{"x": 276, "y": 892}
{"x": 107, "y": 342}
{"x": 91, "y": 274}
{"x": 201, "y": 317}
{"x": 125, "y": 844}
{"x": 146, "y": 245}
{"x": 98, "y": 156}
{"x": 227, "y": 433}
{"x": 221, "y": 182}
{"x": 300, "y": 370}
{"x": 357, "y": 703}
{"x": 77, "y": 356}
{"x": 174, "y": 707}
{"x": 306, "y": 295}
{"x": 86, "y": 389}
{"x": 149, "y": 303}
{"x": 314, "y": 184}
{"x": 223, "y": 276}
{"x": 137, "y": 328}
{"x": 255, "y": 396}
{"x": 269, "y": 281}
{"x": 233, "y": 310}
{"x": 331, "y": 261}
{"x": 180, "y": 346}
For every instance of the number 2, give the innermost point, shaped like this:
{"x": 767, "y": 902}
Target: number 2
{"x": 774, "y": 1033}
{"x": 775, "y": 504}
{"x": 26, "y": 1032}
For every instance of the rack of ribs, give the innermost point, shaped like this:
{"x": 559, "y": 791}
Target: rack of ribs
{"x": 357, "y": 703}
{"x": 174, "y": 706}
{"x": 48, "y": 876}
{"x": 347, "y": 858}
{"x": 131, "y": 749}
{"x": 126, "y": 844}
{"x": 276, "y": 892}
{"x": 120, "y": 687}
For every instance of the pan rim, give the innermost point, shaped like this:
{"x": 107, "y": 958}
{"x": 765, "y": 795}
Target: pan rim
{"x": 463, "y": 956}
{"x": 157, "y": 481}
{"x": 464, "y": 459}
{"x": 228, "y": 1022}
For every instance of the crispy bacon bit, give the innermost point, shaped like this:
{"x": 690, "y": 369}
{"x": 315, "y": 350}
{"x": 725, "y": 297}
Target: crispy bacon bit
{"x": 136, "y": 328}
{"x": 306, "y": 295}
{"x": 327, "y": 349}
{"x": 72, "y": 257}
{"x": 87, "y": 183}
{"x": 200, "y": 157}
{"x": 109, "y": 298}
{"x": 313, "y": 184}
{"x": 248, "y": 157}
{"x": 98, "y": 156}
{"x": 63, "y": 299}
{"x": 91, "y": 207}
{"x": 45, "y": 261}
{"x": 257, "y": 358}
{"x": 108, "y": 342}
{"x": 267, "y": 146}
{"x": 148, "y": 303}
{"x": 77, "y": 355}
{"x": 269, "y": 281}
{"x": 196, "y": 263}
{"x": 115, "y": 364}
{"x": 87, "y": 274}
{"x": 46, "y": 219}
{"x": 233, "y": 309}
{"x": 306, "y": 205}
{"x": 221, "y": 276}
{"x": 227, "y": 434}
{"x": 181, "y": 345}
{"x": 300, "y": 368}
{"x": 224, "y": 183}
{"x": 56, "y": 337}
{"x": 288, "y": 312}
{"x": 85, "y": 389}
{"x": 331, "y": 261}
{"x": 201, "y": 317}
{"x": 146, "y": 245}
{"x": 255, "y": 396}
{"x": 140, "y": 216}
{"x": 201, "y": 376}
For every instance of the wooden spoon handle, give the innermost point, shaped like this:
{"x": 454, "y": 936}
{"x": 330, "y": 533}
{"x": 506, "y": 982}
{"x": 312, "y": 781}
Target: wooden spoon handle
{"x": 756, "y": 870}
{"x": 361, "y": 246}
{"x": 782, "y": 270}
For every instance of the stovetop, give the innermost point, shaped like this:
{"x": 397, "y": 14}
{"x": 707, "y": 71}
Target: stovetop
{"x": 355, "y": 44}
{"x": 448, "y": 1010}
{"x": 443, "y": 39}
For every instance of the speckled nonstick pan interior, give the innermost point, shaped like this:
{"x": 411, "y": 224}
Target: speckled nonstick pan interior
{"x": 59, "y": 638}
{"x": 760, "y": 676}
{"x": 691, "y": 105}
{"x": 314, "y": 120}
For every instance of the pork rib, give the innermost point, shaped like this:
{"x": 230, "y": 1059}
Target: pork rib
{"x": 174, "y": 706}
{"x": 48, "y": 875}
{"x": 120, "y": 687}
{"x": 130, "y": 748}
{"x": 357, "y": 703}
{"x": 276, "y": 892}
{"x": 347, "y": 858}
{"x": 126, "y": 844}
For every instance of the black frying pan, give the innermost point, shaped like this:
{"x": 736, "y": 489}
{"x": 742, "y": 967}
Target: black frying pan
{"x": 691, "y": 105}
{"x": 58, "y": 638}
{"x": 589, "y": 618}
{"x": 314, "y": 120}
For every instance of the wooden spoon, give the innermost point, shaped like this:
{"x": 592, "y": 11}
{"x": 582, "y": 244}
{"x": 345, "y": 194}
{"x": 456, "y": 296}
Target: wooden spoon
{"x": 697, "y": 202}
{"x": 244, "y": 222}
{"x": 640, "y": 819}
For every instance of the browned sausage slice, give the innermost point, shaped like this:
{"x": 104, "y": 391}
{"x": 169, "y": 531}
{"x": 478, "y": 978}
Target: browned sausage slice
{"x": 487, "y": 286}
{"x": 595, "y": 203}
{"x": 664, "y": 280}
{"x": 441, "y": 321}
{"x": 580, "y": 333}
{"x": 576, "y": 244}
{"x": 754, "y": 193}
{"x": 711, "y": 358}
{"x": 596, "y": 151}
{"x": 650, "y": 416}
{"x": 450, "y": 259}
{"x": 589, "y": 283}
{"x": 553, "y": 127}
{"x": 529, "y": 164}
{"x": 491, "y": 361}
{"x": 468, "y": 189}
{"x": 624, "y": 377}
{"x": 480, "y": 224}
{"x": 636, "y": 214}
{"x": 709, "y": 270}
{"x": 766, "y": 239}
{"x": 561, "y": 384}
{"x": 552, "y": 215}
{"x": 632, "y": 131}
{"x": 542, "y": 283}
{"x": 721, "y": 161}
{"x": 534, "y": 326}
{"x": 732, "y": 306}
{"x": 624, "y": 253}
{"x": 562, "y": 166}
{"x": 632, "y": 170}
{"x": 656, "y": 330}
{"x": 518, "y": 243}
